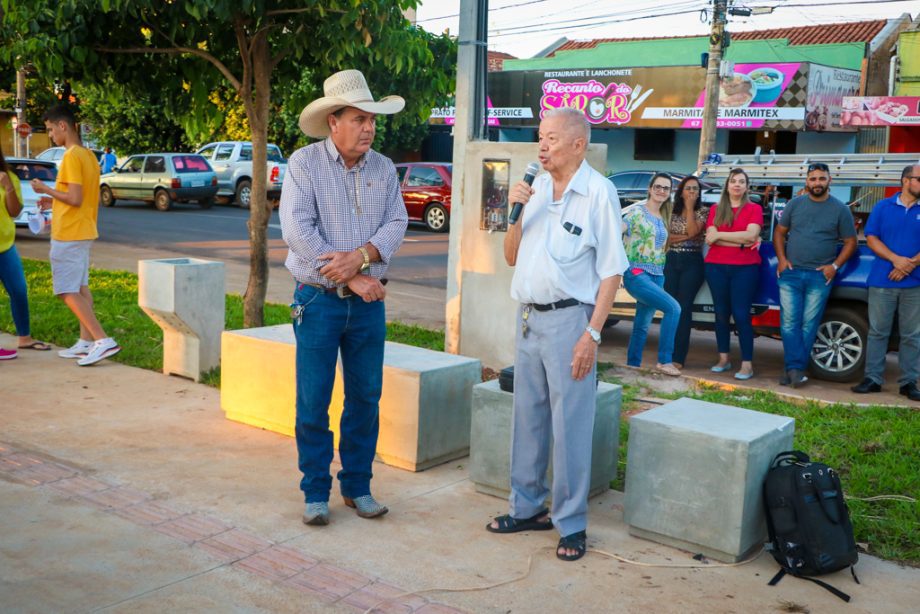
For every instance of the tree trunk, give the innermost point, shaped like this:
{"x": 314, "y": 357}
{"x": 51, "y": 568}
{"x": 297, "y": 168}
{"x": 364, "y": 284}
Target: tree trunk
{"x": 259, "y": 209}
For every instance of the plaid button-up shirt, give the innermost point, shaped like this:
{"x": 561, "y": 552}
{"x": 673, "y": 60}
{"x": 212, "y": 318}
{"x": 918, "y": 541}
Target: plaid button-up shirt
{"x": 326, "y": 207}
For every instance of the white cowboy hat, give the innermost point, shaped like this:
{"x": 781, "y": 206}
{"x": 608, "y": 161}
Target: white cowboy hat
{"x": 346, "y": 88}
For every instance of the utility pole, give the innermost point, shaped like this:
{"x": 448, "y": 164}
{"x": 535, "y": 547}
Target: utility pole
{"x": 20, "y": 148}
{"x": 711, "y": 106}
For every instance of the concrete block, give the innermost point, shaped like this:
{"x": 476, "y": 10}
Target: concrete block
{"x": 424, "y": 409}
{"x": 694, "y": 473}
{"x": 185, "y": 297}
{"x": 490, "y": 439}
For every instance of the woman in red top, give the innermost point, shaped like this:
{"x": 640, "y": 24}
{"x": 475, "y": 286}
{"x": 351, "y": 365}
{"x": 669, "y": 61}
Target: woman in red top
{"x": 732, "y": 268}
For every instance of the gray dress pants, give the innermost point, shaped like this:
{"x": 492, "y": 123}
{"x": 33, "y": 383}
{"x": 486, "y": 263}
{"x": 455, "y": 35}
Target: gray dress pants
{"x": 548, "y": 402}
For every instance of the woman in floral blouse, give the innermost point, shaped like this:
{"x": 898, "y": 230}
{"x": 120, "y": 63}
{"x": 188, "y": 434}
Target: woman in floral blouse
{"x": 683, "y": 269}
{"x": 646, "y": 240}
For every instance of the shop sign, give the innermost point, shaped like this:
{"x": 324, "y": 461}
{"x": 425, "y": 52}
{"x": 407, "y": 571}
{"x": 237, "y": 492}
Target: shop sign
{"x": 881, "y": 111}
{"x": 826, "y": 89}
{"x": 448, "y": 114}
{"x": 756, "y": 96}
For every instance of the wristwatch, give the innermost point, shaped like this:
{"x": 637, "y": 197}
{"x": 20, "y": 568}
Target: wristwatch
{"x": 834, "y": 264}
{"x": 595, "y": 335}
{"x": 367, "y": 258}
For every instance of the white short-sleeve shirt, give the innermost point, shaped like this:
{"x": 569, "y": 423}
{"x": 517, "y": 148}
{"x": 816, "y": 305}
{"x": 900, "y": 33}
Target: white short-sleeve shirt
{"x": 568, "y": 246}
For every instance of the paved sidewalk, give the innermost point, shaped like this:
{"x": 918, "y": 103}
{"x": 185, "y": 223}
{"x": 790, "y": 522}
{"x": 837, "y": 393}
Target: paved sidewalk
{"x": 124, "y": 490}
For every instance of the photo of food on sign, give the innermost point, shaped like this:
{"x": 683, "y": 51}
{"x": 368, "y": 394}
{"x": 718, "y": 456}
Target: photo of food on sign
{"x": 736, "y": 91}
{"x": 880, "y": 111}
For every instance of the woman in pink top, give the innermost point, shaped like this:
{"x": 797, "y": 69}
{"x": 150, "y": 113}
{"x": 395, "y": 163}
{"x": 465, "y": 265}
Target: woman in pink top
{"x": 732, "y": 268}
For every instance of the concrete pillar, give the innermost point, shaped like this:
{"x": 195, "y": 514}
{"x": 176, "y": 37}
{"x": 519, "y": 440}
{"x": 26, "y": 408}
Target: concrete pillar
{"x": 185, "y": 297}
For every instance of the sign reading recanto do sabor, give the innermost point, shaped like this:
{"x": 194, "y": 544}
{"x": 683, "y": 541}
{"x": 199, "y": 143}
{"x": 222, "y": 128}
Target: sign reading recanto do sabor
{"x": 755, "y": 96}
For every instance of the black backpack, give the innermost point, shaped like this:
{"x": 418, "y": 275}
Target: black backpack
{"x": 807, "y": 520}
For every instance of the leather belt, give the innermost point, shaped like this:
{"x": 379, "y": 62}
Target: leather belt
{"x": 566, "y": 302}
{"x": 341, "y": 291}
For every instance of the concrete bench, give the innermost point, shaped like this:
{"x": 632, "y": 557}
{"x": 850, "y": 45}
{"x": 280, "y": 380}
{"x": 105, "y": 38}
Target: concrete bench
{"x": 490, "y": 439}
{"x": 694, "y": 473}
{"x": 424, "y": 410}
{"x": 185, "y": 297}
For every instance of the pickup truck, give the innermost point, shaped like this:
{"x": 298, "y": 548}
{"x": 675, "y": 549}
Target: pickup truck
{"x": 232, "y": 161}
{"x": 839, "y": 352}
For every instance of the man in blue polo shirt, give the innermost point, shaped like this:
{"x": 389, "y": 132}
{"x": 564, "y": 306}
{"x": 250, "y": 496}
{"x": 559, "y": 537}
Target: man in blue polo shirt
{"x": 893, "y": 233}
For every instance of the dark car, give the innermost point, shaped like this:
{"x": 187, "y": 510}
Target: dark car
{"x": 160, "y": 178}
{"x": 426, "y": 188}
{"x": 632, "y": 186}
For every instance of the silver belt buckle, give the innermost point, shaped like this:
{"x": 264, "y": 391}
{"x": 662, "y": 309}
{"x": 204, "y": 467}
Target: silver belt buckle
{"x": 341, "y": 291}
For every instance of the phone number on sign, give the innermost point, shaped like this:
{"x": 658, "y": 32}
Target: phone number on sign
{"x": 727, "y": 123}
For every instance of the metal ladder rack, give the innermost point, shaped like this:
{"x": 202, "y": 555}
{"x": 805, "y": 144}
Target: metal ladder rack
{"x": 856, "y": 169}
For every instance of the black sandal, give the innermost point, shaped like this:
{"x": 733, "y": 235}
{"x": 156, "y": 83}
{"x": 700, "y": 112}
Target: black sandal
{"x": 576, "y": 542}
{"x": 507, "y": 524}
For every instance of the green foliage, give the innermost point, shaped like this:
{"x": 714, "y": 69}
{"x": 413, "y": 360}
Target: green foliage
{"x": 134, "y": 122}
{"x": 75, "y": 40}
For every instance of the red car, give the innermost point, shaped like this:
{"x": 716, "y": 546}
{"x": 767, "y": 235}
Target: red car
{"x": 426, "y": 190}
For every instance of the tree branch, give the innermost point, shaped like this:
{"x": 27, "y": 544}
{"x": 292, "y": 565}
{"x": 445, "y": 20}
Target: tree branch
{"x": 178, "y": 50}
{"x": 246, "y": 54}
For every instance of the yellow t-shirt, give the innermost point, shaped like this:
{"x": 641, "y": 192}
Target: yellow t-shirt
{"x": 7, "y": 227}
{"x": 78, "y": 166}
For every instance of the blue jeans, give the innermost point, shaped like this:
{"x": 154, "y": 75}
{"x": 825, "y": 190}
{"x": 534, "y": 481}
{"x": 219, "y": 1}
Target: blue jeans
{"x": 648, "y": 290}
{"x": 802, "y": 296}
{"x": 683, "y": 276}
{"x": 733, "y": 288}
{"x": 883, "y": 302}
{"x": 329, "y": 325}
{"x": 14, "y": 280}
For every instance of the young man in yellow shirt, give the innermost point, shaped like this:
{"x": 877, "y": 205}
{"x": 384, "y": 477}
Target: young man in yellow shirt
{"x": 74, "y": 203}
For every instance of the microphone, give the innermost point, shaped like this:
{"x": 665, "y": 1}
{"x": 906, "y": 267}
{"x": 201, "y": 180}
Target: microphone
{"x": 532, "y": 169}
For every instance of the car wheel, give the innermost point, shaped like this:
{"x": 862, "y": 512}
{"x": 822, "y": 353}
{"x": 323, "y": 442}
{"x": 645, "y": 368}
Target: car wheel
{"x": 839, "y": 352}
{"x": 106, "y": 197}
{"x": 206, "y": 203}
{"x": 162, "y": 201}
{"x": 436, "y": 218}
{"x": 244, "y": 193}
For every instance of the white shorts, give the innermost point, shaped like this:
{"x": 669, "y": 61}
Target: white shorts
{"x": 69, "y": 265}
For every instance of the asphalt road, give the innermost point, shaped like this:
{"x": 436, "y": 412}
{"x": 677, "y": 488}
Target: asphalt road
{"x": 221, "y": 233}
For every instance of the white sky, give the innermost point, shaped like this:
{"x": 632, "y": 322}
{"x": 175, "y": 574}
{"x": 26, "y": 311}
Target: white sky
{"x": 525, "y": 27}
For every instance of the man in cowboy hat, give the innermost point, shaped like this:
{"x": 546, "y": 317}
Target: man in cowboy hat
{"x": 342, "y": 217}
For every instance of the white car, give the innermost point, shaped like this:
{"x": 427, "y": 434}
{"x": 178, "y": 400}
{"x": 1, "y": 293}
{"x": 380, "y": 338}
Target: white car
{"x": 55, "y": 154}
{"x": 27, "y": 170}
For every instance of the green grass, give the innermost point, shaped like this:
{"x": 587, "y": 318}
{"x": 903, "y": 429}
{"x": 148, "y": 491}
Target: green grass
{"x": 874, "y": 448}
{"x": 115, "y": 297}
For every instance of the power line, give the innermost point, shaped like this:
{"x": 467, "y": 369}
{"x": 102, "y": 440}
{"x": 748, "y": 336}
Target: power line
{"x": 692, "y": 6}
{"x": 593, "y": 25}
{"x": 497, "y": 8}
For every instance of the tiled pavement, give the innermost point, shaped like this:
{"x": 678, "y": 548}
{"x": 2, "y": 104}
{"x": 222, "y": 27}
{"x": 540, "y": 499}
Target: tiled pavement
{"x": 228, "y": 545}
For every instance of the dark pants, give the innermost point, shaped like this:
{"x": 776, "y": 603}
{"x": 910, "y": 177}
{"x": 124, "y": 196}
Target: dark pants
{"x": 733, "y": 288}
{"x": 683, "y": 276}
{"x": 327, "y": 326}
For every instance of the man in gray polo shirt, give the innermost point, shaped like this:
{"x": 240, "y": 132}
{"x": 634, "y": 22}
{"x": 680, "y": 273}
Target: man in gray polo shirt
{"x": 805, "y": 240}
{"x": 568, "y": 257}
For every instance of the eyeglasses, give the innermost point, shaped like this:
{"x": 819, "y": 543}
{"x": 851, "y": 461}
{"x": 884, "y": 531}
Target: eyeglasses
{"x": 917, "y": 177}
{"x": 691, "y": 188}
{"x": 818, "y": 166}
{"x": 661, "y": 188}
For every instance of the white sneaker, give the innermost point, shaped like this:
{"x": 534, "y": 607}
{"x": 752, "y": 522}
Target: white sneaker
{"x": 78, "y": 350}
{"x": 101, "y": 349}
